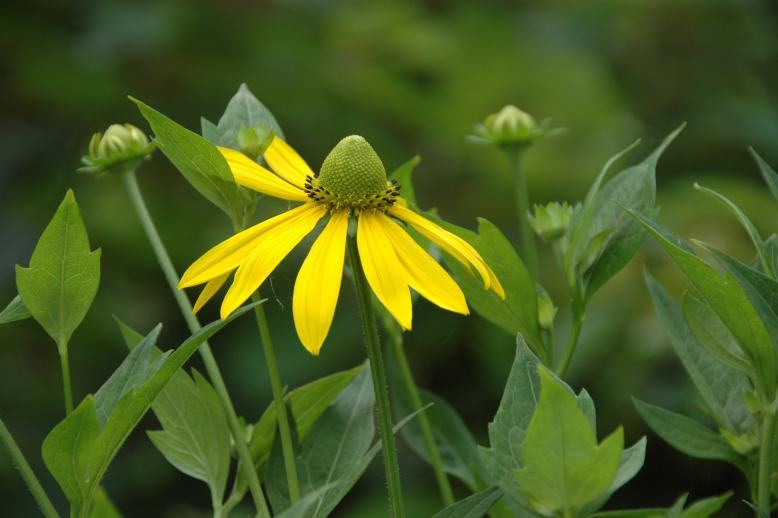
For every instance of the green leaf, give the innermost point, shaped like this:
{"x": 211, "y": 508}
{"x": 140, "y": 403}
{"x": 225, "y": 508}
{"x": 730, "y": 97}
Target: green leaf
{"x": 687, "y": 435}
{"x": 102, "y": 507}
{"x": 729, "y": 301}
{"x": 62, "y": 280}
{"x": 634, "y": 188}
{"x": 564, "y": 467}
{"x": 518, "y": 313}
{"x": 700, "y": 509}
{"x": 198, "y": 161}
{"x": 335, "y": 451}
{"x": 768, "y": 173}
{"x": 195, "y": 436}
{"x": 403, "y": 176}
{"x": 712, "y": 334}
{"x": 749, "y": 227}
{"x": 14, "y": 311}
{"x": 509, "y": 426}
{"x": 244, "y": 110}
{"x": 721, "y": 387}
{"x": 79, "y": 450}
{"x": 474, "y": 506}
{"x": 458, "y": 449}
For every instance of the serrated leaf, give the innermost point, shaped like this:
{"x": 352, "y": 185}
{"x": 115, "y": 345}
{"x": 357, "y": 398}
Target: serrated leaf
{"x": 61, "y": 282}
{"x": 727, "y": 298}
{"x": 198, "y": 161}
{"x": 564, "y": 467}
{"x": 14, "y": 311}
{"x": 687, "y": 435}
{"x": 474, "y": 506}
{"x": 720, "y": 386}
{"x": 518, "y": 313}
{"x": 634, "y": 188}
{"x": 244, "y": 110}
{"x": 79, "y": 450}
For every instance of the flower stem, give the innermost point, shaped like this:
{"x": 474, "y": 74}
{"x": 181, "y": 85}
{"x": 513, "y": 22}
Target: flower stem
{"x": 131, "y": 184}
{"x": 395, "y": 339}
{"x": 17, "y": 457}
{"x": 529, "y": 252}
{"x": 278, "y": 400}
{"x": 374, "y": 354}
{"x": 764, "y": 482}
{"x": 64, "y": 364}
{"x": 572, "y": 342}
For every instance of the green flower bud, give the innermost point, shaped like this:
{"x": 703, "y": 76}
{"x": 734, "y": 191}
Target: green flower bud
{"x": 511, "y": 127}
{"x": 121, "y": 147}
{"x": 254, "y": 141}
{"x": 551, "y": 221}
{"x": 546, "y": 309}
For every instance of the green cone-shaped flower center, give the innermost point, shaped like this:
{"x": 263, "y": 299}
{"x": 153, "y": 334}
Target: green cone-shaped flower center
{"x": 353, "y": 171}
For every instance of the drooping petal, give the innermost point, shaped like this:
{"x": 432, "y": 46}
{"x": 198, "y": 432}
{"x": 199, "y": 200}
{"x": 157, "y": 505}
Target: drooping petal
{"x": 318, "y": 284}
{"x": 211, "y": 288}
{"x": 452, "y": 244}
{"x": 287, "y": 163}
{"x": 268, "y": 251}
{"x": 383, "y": 269}
{"x": 228, "y": 255}
{"x": 425, "y": 275}
{"x": 255, "y": 177}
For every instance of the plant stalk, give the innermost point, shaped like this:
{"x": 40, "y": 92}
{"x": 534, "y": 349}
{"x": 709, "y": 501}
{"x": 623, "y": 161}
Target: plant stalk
{"x": 278, "y": 400}
{"x": 17, "y": 457}
{"x": 529, "y": 253}
{"x": 764, "y": 481}
{"x": 133, "y": 190}
{"x": 64, "y": 364}
{"x": 444, "y": 486}
{"x": 572, "y": 342}
{"x": 374, "y": 354}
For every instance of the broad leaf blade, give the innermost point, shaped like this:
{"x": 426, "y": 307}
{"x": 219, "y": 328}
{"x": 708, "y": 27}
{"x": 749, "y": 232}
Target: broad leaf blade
{"x": 59, "y": 286}
{"x": 244, "y": 110}
{"x": 474, "y": 506}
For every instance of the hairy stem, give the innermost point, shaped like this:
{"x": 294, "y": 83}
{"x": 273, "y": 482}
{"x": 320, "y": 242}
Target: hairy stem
{"x": 131, "y": 184}
{"x": 374, "y": 354}
{"x": 17, "y": 457}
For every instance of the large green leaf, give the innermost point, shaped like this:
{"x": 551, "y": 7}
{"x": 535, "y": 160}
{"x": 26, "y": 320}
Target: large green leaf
{"x": 730, "y": 302}
{"x": 198, "y": 161}
{"x": 79, "y": 449}
{"x": 244, "y": 110}
{"x": 635, "y": 188}
{"x": 518, "y": 313}
{"x": 62, "y": 280}
{"x": 687, "y": 435}
{"x": 721, "y": 387}
{"x": 14, "y": 311}
{"x": 336, "y": 450}
{"x": 564, "y": 467}
{"x": 474, "y": 506}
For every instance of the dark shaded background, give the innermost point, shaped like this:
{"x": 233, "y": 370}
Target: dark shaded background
{"x": 412, "y": 77}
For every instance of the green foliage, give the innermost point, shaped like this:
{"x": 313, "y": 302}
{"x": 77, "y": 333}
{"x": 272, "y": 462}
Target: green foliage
{"x": 403, "y": 175}
{"x": 198, "y": 161}
{"x": 565, "y": 469}
{"x": 14, "y": 311}
{"x": 79, "y": 449}
{"x": 62, "y": 279}
{"x": 700, "y": 509}
{"x": 474, "y": 506}
{"x": 518, "y": 313}
{"x": 244, "y": 110}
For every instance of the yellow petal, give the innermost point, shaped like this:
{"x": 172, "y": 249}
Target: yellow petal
{"x": 318, "y": 284}
{"x": 383, "y": 270}
{"x": 287, "y": 163}
{"x": 213, "y": 286}
{"x": 425, "y": 275}
{"x": 268, "y": 251}
{"x": 452, "y": 244}
{"x": 255, "y": 177}
{"x": 228, "y": 255}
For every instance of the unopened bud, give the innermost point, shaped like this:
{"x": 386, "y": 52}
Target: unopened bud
{"x": 120, "y": 148}
{"x": 546, "y": 310}
{"x": 551, "y": 221}
{"x": 511, "y": 127}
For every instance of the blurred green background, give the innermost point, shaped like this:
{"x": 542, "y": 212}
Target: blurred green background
{"x": 412, "y": 77}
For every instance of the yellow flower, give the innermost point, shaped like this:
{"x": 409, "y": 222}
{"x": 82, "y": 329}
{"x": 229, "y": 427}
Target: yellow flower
{"x": 352, "y": 183}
